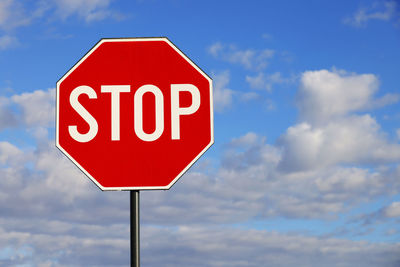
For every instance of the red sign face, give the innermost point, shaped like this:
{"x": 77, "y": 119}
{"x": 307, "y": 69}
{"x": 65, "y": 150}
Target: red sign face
{"x": 134, "y": 114}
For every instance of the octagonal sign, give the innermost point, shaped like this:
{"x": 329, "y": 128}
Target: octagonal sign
{"x": 134, "y": 114}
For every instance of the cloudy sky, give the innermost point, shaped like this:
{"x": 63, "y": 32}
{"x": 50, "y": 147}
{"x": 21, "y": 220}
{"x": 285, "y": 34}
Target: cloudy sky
{"x": 305, "y": 166}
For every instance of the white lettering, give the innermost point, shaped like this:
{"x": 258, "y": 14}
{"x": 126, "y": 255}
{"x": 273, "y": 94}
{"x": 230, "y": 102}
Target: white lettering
{"x": 138, "y": 112}
{"x": 93, "y": 127}
{"x": 115, "y": 91}
{"x": 177, "y": 111}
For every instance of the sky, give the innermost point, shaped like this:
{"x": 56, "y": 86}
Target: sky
{"x": 305, "y": 167}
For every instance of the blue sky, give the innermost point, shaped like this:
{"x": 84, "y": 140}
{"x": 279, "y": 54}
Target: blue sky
{"x": 305, "y": 166}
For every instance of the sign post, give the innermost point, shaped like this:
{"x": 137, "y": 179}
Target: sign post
{"x": 134, "y": 114}
{"x": 135, "y": 228}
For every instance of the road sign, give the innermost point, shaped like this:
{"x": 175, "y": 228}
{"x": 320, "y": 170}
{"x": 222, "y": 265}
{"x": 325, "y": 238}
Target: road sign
{"x": 134, "y": 113}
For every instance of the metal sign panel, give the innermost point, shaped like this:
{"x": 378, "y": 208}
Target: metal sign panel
{"x": 134, "y": 114}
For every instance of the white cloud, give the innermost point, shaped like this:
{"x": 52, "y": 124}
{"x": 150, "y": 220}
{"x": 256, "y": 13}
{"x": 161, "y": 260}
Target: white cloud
{"x": 249, "y": 184}
{"x": 10, "y": 154}
{"x": 7, "y": 117}
{"x": 222, "y": 247}
{"x": 38, "y": 107}
{"x": 265, "y": 82}
{"x": 215, "y": 49}
{"x": 12, "y": 15}
{"x": 248, "y": 96}
{"x": 223, "y": 96}
{"x": 15, "y": 14}
{"x": 32, "y": 110}
{"x": 384, "y": 11}
{"x": 56, "y": 243}
{"x": 325, "y": 95}
{"x": 329, "y": 131}
{"x": 248, "y": 139}
{"x": 7, "y": 41}
{"x": 348, "y": 180}
{"x": 61, "y": 175}
{"x": 46, "y": 242}
{"x": 246, "y": 186}
{"x": 90, "y": 10}
{"x": 393, "y": 210}
{"x": 57, "y": 188}
{"x": 354, "y": 139}
{"x": 385, "y": 100}
{"x": 251, "y": 59}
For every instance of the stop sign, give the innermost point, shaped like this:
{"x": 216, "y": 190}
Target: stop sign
{"x": 134, "y": 113}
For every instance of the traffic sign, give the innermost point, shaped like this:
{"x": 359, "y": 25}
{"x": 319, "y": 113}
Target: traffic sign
{"x": 134, "y": 113}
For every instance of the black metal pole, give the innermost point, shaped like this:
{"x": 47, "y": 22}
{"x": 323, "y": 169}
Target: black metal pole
{"x": 135, "y": 231}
